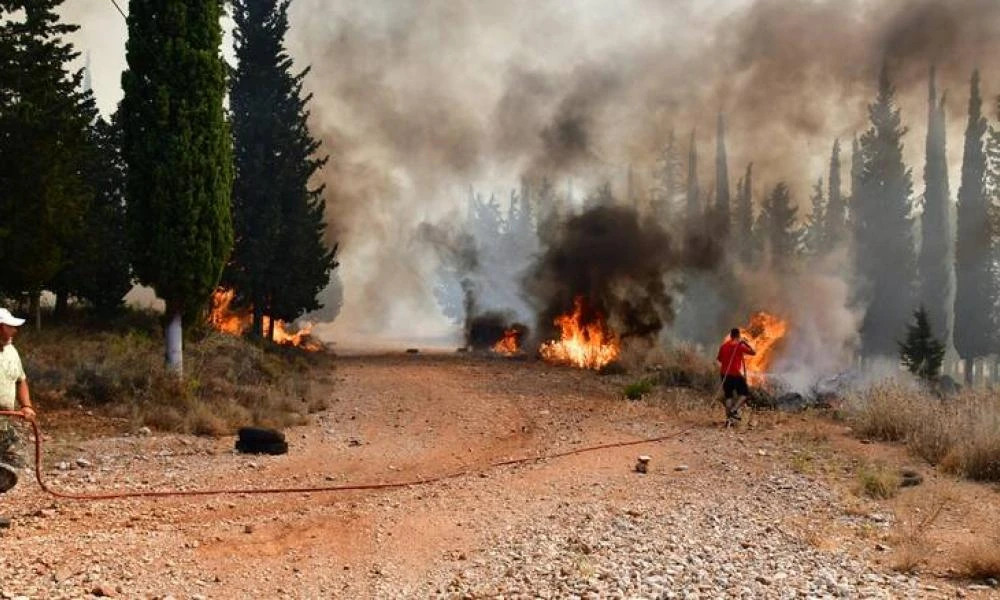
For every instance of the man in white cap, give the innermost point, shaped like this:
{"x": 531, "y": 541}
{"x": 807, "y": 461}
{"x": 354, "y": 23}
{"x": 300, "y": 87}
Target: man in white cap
{"x": 13, "y": 393}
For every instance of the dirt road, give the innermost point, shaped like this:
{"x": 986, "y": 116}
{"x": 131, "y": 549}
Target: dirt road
{"x": 756, "y": 523}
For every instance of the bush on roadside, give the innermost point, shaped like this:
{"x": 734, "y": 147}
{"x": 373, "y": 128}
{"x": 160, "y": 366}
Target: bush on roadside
{"x": 229, "y": 382}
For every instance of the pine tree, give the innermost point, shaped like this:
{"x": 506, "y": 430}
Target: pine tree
{"x": 178, "y": 151}
{"x": 692, "y": 207}
{"x": 280, "y": 262}
{"x": 976, "y": 287}
{"x": 44, "y": 116}
{"x": 936, "y": 259}
{"x": 836, "y": 206}
{"x": 776, "y": 226}
{"x": 99, "y": 269}
{"x": 743, "y": 217}
{"x": 921, "y": 352}
{"x": 723, "y": 210}
{"x": 816, "y": 224}
{"x": 856, "y": 163}
{"x": 883, "y": 226}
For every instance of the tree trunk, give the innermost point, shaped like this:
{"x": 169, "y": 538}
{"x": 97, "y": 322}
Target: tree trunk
{"x": 62, "y": 305}
{"x": 174, "y": 336}
{"x": 968, "y": 372}
{"x": 257, "y": 324}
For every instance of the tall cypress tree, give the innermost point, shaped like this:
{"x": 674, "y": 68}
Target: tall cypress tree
{"x": 667, "y": 177}
{"x": 976, "y": 287}
{"x": 692, "y": 207}
{"x": 178, "y": 150}
{"x": 816, "y": 224}
{"x": 836, "y": 207}
{"x": 279, "y": 263}
{"x": 856, "y": 162}
{"x": 743, "y": 216}
{"x": 936, "y": 260}
{"x": 883, "y": 226}
{"x": 723, "y": 209}
{"x": 44, "y": 115}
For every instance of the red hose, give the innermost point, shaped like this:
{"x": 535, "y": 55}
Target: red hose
{"x": 330, "y": 488}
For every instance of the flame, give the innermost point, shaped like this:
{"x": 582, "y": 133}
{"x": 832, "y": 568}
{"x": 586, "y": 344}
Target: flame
{"x": 763, "y": 332}
{"x": 585, "y": 345}
{"x": 223, "y": 317}
{"x": 509, "y": 343}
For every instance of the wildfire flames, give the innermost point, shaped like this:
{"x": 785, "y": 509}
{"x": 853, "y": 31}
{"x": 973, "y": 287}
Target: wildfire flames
{"x": 584, "y": 345}
{"x": 763, "y": 332}
{"x": 509, "y": 344}
{"x": 226, "y": 319}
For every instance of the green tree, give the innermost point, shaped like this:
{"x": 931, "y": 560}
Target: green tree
{"x": 936, "y": 259}
{"x": 921, "y": 352}
{"x": 178, "y": 151}
{"x": 976, "y": 291}
{"x": 44, "y": 115}
{"x": 743, "y": 215}
{"x": 723, "y": 210}
{"x": 693, "y": 202}
{"x": 98, "y": 269}
{"x": 280, "y": 262}
{"x": 836, "y": 204}
{"x": 776, "y": 226}
{"x": 815, "y": 240}
{"x": 883, "y": 227}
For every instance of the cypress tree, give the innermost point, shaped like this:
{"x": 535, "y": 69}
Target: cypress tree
{"x": 883, "y": 226}
{"x": 743, "y": 217}
{"x": 667, "y": 177}
{"x": 722, "y": 203}
{"x": 692, "y": 207}
{"x": 836, "y": 207}
{"x": 936, "y": 261}
{"x": 44, "y": 115}
{"x": 178, "y": 151}
{"x": 279, "y": 263}
{"x": 976, "y": 287}
{"x": 816, "y": 225}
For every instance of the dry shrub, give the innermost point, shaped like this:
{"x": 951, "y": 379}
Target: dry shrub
{"x": 980, "y": 560}
{"x": 878, "y": 482}
{"x": 228, "y": 382}
{"x": 961, "y": 433}
{"x": 684, "y": 367}
{"x": 913, "y": 549}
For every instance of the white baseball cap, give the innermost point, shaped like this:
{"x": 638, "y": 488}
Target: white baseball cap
{"x": 8, "y": 319}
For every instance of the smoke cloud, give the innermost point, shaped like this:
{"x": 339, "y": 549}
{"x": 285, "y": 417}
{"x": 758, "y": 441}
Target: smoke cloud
{"x": 415, "y": 101}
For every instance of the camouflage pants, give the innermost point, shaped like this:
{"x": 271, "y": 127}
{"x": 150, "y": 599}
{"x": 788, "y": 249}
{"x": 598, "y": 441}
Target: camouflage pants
{"x": 11, "y": 444}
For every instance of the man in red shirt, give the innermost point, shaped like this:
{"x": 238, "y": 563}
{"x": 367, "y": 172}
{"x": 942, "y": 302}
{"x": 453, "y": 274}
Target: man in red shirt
{"x": 734, "y": 382}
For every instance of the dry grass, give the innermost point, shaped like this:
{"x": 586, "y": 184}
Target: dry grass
{"x": 228, "y": 382}
{"x": 878, "y": 482}
{"x": 980, "y": 560}
{"x": 913, "y": 548}
{"x": 961, "y": 434}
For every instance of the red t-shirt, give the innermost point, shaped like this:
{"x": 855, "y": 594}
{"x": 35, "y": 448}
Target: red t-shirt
{"x": 730, "y": 356}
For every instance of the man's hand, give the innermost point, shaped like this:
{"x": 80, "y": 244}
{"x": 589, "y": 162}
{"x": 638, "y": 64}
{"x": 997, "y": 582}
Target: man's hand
{"x": 28, "y": 412}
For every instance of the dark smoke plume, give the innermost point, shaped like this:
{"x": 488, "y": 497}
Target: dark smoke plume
{"x": 618, "y": 264}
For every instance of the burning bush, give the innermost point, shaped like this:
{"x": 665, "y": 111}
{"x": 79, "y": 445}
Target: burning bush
{"x": 493, "y": 331}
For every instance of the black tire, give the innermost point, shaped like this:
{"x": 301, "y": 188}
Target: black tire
{"x": 260, "y": 435}
{"x": 8, "y": 478}
{"x": 273, "y": 448}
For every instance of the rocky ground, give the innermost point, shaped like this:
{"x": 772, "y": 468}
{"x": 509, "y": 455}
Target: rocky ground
{"x": 767, "y": 511}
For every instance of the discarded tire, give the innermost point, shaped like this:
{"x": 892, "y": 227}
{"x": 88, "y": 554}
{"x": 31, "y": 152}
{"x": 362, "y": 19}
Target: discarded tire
{"x": 258, "y": 440}
{"x": 910, "y": 478}
{"x": 8, "y": 478}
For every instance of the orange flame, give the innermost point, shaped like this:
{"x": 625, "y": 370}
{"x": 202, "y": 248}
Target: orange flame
{"x": 584, "y": 345}
{"x": 764, "y": 332}
{"x": 509, "y": 343}
{"x": 226, "y": 319}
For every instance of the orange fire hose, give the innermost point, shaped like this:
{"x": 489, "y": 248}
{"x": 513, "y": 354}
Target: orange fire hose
{"x": 330, "y": 488}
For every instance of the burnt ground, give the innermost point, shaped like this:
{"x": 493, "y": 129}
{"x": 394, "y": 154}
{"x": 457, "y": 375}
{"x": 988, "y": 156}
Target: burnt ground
{"x": 400, "y": 418}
